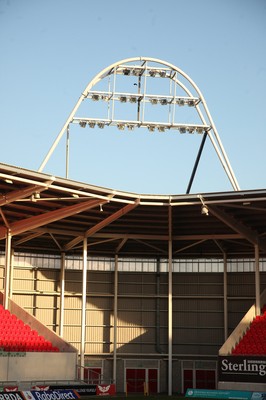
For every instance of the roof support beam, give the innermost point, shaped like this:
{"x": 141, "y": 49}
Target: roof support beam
{"x": 237, "y": 226}
{"x": 152, "y": 247}
{"x": 113, "y": 217}
{"x": 48, "y": 217}
{"x": 21, "y": 194}
{"x": 28, "y": 238}
{"x": 120, "y": 246}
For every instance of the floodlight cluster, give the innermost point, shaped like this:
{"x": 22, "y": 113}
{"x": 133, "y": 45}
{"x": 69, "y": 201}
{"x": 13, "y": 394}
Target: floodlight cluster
{"x": 154, "y": 100}
{"x": 152, "y": 72}
{"x": 152, "y": 127}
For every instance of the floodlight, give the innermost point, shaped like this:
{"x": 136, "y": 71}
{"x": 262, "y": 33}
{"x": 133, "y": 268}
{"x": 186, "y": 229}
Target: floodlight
{"x": 100, "y": 125}
{"x": 181, "y": 102}
{"x": 162, "y": 74}
{"x": 152, "y": 73}
{"x": 133, "y": 99}
{"x": 200, "y": 130}
{"x": 164, "y": 102}
{"x": 182, "y": 130}
{"x": 95, "y": 97}
{"x": 204, "y": 210}
{"x": 191, "y": 103}
{"x": 83, "y": 124}
{"x": 123, "y": 99}
{"x": 126, "y": 71}
{"x": 154, "y": 101}
{"x": 151, "y": 128}
{"x": 190, "y": 129}
{"x": 137, "y": 71}
{"x": 130, "y": 127}
{"x": 91, "y": 124}
{"x": 161, "y": 128}
{"x": 105, "y": 98}
{"x": 121, "y": 127}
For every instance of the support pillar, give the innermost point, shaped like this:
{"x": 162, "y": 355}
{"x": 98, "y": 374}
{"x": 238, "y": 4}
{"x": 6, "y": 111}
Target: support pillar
{"x": 11, "y": 274}
{"x": 257, "y": 280}
{"x": 7, "y": 269}
{"x": 170, "y": 305}
{"x": 115, "y": 319}
{"x": 83, "y": 309}
{"x": 225, "y": 299}
{"x": 62, "y": 294}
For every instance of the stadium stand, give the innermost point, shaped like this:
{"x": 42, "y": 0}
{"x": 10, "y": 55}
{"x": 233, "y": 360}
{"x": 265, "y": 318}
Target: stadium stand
{"x": 15, "y": 336}
{"x": 254, "y": 340}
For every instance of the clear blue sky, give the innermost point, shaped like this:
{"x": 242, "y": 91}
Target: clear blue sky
{"x": 51, "y": 49}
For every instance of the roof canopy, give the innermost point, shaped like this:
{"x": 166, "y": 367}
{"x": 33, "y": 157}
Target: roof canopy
{"x": 48, "y": 214}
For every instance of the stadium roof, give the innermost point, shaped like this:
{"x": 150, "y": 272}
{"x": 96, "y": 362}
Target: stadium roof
{"x": 48, "y": 214}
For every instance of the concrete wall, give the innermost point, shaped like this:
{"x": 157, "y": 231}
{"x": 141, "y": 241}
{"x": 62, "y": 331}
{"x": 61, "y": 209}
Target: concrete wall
{"x": 38, "y": 367}
{"x": 250, "y": 387}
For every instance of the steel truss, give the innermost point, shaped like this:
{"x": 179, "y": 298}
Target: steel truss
{"x": 143, "y": 89}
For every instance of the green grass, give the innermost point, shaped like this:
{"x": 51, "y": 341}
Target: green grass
{"x": 140, "y": 397}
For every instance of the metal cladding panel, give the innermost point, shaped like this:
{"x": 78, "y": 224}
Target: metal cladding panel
{"x": 125, "y": 303}
{"x": 96, "y": 348}
{"x": 199, "y": 336}
{"x": 95, "y": 334}
{"x": 136, "y": 283}
{"x": 73, "y": 302}
{"x": 198, "y": 320}
{"x": 99, "y": 303}
{"x": 241, "y": 284}
{"x": 126, "y": 334}
{"x": 47, "y": 280}
{"x": 98, "y": 317}
{"x": 100, "y": 282}
{"x": 95, "y": 287}
{"x": 204, "y": 350}
{"x": 73, "y": 281}
{"x": 24, "y": 279}
{"x": 25, "y": 301}
{"x": 136, "y": 318}
{"x": 198, "y": 284}
{"x": 72, "y": 334}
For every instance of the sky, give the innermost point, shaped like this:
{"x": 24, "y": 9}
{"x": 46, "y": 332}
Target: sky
{"x": 52, "y": 49}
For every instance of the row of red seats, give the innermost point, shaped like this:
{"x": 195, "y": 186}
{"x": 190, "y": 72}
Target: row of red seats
{"x": 254, "y": 341}
{"x": 15, "y": 336}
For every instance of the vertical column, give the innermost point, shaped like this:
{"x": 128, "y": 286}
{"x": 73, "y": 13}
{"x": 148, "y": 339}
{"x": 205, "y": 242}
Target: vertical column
{"x": 225, "y": 299}
{"x": 62, "y": 294}
{"x": 67, "y": 151}
{"x": 7, "y": 268}
{"x": 83, "y": 309}
{"x": 170, "y": 304}
{"x": 157, "y": 312}
{"x": 115, "y": 319}
{"x": 11, "y": 274}
{"x": 257, "y": 279}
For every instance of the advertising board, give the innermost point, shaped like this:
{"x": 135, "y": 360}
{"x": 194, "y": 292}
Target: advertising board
{"x": 242, "y": 369}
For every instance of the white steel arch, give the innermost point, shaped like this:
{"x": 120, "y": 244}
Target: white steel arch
{"x": 143, "y": 70}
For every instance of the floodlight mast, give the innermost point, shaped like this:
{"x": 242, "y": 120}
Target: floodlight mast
{"x": 144, "y": 68}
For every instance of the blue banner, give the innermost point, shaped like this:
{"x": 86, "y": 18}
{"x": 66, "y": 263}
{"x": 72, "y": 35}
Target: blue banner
{"x": 219, "y": 394}
{"x": 59, "y": 394}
